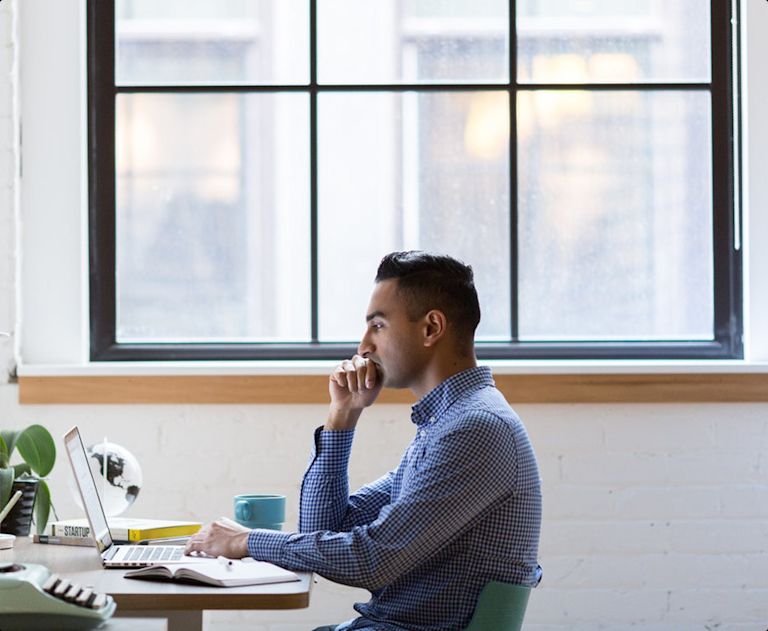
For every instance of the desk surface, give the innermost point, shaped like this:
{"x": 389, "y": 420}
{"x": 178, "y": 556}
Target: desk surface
{"x": 83, "y": 565}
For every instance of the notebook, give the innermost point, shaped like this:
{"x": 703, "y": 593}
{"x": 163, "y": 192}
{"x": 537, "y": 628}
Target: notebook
{"x": 112, "y": 556}
{"x": 218, "y": 572}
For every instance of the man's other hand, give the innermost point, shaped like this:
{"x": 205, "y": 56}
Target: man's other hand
{"x": 222, "y": 537}
{"x": 353, "y": 385}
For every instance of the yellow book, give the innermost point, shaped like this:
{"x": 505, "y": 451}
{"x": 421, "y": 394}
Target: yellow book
{"x": 127, "y": 529}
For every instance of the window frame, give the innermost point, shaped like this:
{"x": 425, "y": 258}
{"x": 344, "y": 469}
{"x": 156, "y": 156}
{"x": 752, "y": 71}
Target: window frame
{"x": 726, "y": 208}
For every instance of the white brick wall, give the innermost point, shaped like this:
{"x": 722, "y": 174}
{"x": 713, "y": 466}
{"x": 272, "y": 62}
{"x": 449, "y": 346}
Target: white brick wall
{"x": 655, "y": 516}
{"x": 640, "y": 533}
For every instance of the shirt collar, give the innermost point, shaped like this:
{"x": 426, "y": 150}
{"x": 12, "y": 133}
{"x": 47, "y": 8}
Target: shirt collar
{"x": 434, "y": 404}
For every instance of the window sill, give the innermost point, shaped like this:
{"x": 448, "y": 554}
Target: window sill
{"x": 307, "y": 382}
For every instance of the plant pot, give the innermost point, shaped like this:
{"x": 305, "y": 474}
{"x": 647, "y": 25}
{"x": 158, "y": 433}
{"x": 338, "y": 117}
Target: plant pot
{"x": 19, "y": 520}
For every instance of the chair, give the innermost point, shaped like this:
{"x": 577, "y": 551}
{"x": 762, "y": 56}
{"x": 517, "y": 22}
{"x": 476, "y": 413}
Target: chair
{"x": 501, "y": 607}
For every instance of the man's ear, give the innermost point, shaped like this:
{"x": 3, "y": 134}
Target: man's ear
{"x": 435, "y": 327}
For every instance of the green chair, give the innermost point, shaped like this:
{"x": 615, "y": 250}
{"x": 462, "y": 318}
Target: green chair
{"x": 501, "y": 607}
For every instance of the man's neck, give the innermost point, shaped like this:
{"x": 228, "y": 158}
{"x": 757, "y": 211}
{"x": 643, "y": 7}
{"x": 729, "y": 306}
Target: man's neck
{"x": 440, "y": 370}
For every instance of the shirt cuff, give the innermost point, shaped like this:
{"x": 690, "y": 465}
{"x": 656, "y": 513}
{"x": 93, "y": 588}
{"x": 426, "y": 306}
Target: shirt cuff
{"x": 332, "y": 449}
{"x": 267, "y": 545}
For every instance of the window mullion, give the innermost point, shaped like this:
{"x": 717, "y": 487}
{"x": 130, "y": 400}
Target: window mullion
{"x": 313, "y": 178}
{"x": 514, "y": 258}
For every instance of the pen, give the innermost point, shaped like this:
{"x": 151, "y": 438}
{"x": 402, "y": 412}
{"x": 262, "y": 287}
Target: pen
{"x": 227, "y": 562}
{"x": 11, "y": 503}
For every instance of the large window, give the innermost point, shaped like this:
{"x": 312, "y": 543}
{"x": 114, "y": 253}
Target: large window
{"x": 252, "y": 160}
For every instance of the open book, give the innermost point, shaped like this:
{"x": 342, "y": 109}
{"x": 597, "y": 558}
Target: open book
{"x": 218, "y": 572}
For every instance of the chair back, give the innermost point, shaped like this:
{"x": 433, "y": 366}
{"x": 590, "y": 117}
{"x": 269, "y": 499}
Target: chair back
{"x": 501, "y": 607}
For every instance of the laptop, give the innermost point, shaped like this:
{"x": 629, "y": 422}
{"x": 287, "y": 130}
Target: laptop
{"x": 112, "y": 555}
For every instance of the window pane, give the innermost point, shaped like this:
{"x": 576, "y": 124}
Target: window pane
{"x": 613, "y": 41}
{"x": 412, "y": 41}
{"x": 405, "y": 171}
{"x": 615, "y": 215}
{"x": 198, "y": 41}
{"x": 212, "y": 217}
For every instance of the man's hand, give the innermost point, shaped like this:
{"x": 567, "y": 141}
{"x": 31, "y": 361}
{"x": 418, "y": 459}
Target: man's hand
{"x": 353, "y": 386}
{"x": 223, "y": 537}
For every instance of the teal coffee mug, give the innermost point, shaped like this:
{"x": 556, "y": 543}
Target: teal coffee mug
{"x": 260, "y": 511}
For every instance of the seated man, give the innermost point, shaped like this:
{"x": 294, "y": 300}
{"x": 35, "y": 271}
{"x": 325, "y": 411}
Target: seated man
{"x": 464, "y": 505}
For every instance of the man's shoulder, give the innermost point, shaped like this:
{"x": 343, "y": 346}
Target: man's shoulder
{"x": 485, "y": 408}
{"x": 485, "y": 401}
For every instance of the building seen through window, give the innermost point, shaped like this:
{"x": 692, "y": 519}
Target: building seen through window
{"x": 589, "y": 218}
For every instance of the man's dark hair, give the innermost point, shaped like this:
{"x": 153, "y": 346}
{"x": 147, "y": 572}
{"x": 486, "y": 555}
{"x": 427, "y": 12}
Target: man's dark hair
{"x": 434, "y": 281}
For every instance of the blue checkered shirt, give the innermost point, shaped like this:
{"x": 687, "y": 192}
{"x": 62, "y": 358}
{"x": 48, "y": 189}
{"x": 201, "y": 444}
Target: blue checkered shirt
{"x": 462, "y": 508}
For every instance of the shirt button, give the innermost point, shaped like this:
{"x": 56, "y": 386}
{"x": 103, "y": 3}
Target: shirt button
{"x": 432, "y": 419}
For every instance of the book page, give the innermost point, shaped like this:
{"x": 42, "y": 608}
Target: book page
{"x": 222, "y": 572}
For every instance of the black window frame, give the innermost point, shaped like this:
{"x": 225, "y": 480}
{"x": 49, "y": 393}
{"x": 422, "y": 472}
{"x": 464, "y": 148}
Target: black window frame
{"x": 726, "y": 184}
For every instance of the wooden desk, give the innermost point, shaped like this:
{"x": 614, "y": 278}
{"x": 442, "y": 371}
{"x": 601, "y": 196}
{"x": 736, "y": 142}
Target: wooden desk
{"x": 181, "y": 604}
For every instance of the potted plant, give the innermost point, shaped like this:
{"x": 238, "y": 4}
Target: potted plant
{"x": 38, "y": 452}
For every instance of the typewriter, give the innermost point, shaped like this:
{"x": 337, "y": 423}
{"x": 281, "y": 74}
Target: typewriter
{"x": 32, "y": 598}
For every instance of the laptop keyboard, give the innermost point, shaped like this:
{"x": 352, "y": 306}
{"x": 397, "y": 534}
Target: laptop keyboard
{"x": 154, "y": 553}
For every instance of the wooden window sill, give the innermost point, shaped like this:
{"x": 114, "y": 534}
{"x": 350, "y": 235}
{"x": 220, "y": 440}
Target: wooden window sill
{"x": 607, "y": 387}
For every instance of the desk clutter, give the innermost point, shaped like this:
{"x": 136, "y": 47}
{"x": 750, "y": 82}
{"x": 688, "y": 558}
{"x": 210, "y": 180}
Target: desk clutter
{"x": 79, "y": 592}
{"x": 184, "y": 602}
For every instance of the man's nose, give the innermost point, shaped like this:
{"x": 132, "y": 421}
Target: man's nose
{"x": 365, "y": 347}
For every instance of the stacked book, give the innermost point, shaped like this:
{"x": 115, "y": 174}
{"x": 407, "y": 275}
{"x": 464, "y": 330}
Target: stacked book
{"x": 77, "y": 532}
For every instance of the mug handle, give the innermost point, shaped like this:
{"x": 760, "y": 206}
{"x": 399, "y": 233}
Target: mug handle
{"x": 242, "y": 510}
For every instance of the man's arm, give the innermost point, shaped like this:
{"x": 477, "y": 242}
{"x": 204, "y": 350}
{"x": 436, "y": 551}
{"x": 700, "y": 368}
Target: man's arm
{"x": 467, "y": 472}
{"x": 325, "y": 500}
{"x": 325, "y": 503}
{"x": 353, "y": 386}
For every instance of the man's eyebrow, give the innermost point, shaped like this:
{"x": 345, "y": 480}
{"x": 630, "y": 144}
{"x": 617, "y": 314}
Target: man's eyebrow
{"x": 375, "y": 314}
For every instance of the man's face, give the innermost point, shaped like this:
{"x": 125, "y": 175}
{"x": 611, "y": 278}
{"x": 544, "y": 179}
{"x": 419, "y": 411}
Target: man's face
{"x": 394, "y": 343}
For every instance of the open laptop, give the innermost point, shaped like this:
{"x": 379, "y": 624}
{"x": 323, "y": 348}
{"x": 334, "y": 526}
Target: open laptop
{"x": 112, "y": 556}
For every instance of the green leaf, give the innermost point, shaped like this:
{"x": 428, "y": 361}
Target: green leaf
{"x": 37, "y": 448}
{"x": 23, "y": 469}
{"x": 4, "y": 455}
{"x": 7, "y": 476}
{"x": 42, "y": 506}
{"x": 9, "y": 436}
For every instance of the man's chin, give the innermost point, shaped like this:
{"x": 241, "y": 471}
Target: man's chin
{"x": 387, "y": 380}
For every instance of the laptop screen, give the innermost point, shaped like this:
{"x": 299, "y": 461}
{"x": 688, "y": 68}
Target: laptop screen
{"x": 87, "y": 487}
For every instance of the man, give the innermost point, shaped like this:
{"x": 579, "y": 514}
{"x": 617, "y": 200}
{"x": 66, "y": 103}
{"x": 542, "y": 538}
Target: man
{"x": 463, "y": 507}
